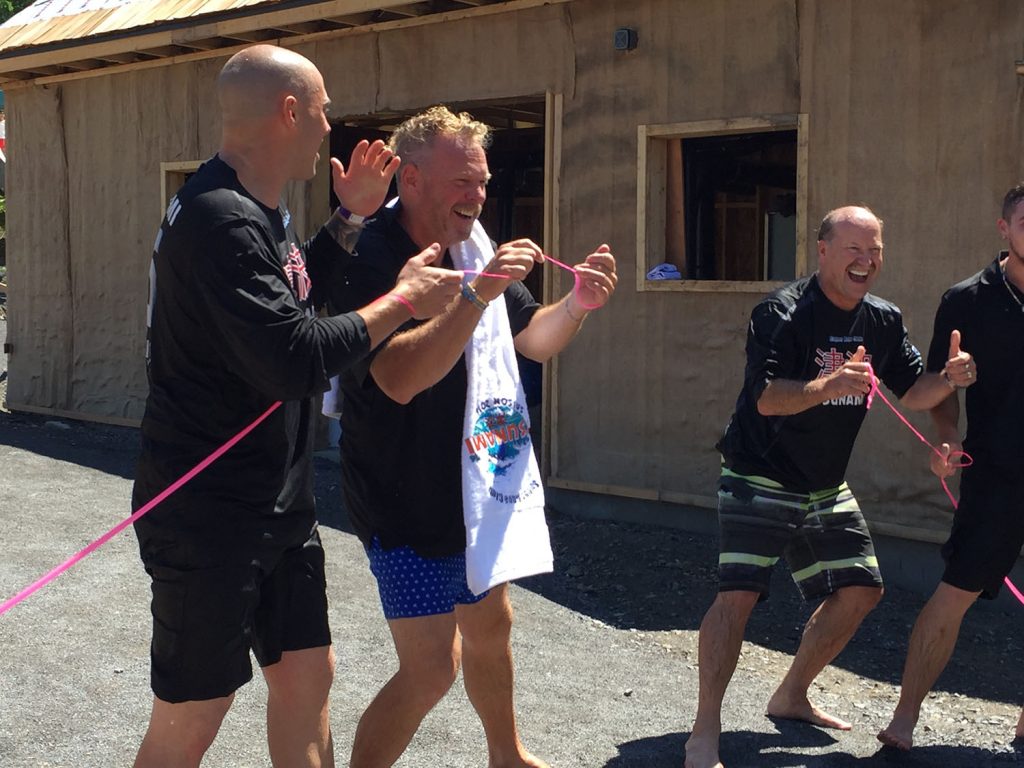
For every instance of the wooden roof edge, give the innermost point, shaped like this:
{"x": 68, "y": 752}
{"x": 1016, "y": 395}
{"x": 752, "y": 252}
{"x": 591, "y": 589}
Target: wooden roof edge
{"x": 64, "y": 49}
{"x": 183, "y": 41}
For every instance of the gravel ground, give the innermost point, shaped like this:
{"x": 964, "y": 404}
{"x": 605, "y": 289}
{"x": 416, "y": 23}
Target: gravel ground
{"x": 605, "y": 647}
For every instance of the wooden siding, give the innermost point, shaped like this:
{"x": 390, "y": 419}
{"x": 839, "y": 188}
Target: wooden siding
{"x": 911, "y": 108}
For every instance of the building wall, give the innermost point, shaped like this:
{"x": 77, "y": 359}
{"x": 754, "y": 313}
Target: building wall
{"x": 85, "y": 194}
{"x": 913, "y": 108}
{"x": 916, "y": 111}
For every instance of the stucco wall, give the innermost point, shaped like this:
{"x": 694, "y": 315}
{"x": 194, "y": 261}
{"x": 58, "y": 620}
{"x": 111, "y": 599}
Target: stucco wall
{"x": 913, "y": 108}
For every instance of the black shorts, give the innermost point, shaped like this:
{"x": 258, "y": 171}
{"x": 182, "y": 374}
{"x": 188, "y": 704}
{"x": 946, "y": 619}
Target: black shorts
{"x": 988, "y": 532}
{"x": 822, "y": 536}
{"x": 208, "y": 616}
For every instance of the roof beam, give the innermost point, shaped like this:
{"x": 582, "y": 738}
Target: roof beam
{"x": 197, "y": 38}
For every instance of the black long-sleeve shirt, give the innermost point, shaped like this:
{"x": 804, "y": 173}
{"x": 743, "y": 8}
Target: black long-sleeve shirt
{"x": 231, "y": 329}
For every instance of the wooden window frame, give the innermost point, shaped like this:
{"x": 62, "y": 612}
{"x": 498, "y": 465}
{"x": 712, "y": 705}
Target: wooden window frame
{"x": 652, "y": 191}
{"x": 172, "y": 177}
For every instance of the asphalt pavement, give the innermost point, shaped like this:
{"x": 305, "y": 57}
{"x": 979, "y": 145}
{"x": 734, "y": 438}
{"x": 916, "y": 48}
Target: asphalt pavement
{"x": 605, "y": 647}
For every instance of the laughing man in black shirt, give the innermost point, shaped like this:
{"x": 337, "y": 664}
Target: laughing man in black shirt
{"x": 812, "y": 347}
{"x": 403, "y": 438}
{"x": 235, "y": 556}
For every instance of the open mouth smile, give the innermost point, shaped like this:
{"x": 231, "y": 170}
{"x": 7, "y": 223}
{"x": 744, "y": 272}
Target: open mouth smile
{"x": 466, "y": 214}
{"x": 858, "y": 275}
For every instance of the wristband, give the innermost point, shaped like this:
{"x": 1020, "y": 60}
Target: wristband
{"x": 469, "y": 294}
{"x": 402, "y": 300}
{"x": 351, "y": 218}
{"x": 949, "y": 381}
{"x": 577, "y": 320}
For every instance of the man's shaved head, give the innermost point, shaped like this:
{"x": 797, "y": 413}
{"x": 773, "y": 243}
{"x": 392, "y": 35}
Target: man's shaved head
{"x": 253, "y": 80}
{"x": 853, "y": 213}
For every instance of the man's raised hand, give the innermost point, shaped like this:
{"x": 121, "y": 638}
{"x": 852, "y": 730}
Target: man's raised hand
{"x": 362, "y": 186}
{"x": 960, "y": 370}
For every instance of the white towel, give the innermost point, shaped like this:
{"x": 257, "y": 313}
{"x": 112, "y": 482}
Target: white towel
{"x": 502, "y": 496}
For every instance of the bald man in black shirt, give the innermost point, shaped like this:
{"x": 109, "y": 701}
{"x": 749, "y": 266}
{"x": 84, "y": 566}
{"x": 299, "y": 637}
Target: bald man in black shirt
{"x": 235, "y": 555}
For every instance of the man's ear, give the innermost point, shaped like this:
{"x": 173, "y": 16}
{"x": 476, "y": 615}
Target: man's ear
{"x": 289, "y": 108}
{"x": 409, "y": 176}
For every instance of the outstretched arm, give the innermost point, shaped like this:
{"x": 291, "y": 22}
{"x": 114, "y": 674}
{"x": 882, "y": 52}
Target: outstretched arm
{"x": 422, "y": 291}
{"x": 555, "y": 325}
{"x": 420, "y": 357}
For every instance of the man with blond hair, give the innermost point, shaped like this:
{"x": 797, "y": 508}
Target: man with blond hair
{"x": 436, "y": 457}
{"x": 813, "y": 347}
{"x": 235, "y": 555}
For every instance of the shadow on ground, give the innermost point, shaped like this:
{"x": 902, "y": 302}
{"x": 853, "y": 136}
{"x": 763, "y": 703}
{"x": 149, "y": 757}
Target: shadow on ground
{"x": 656, "y": 579}
{"x": 109, "y": 449}
{"x": 649, "y": 578}
{"x": 751, "y": 749}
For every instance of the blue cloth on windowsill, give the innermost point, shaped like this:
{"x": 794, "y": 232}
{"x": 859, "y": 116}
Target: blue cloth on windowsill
{"x": 665, "y": 271}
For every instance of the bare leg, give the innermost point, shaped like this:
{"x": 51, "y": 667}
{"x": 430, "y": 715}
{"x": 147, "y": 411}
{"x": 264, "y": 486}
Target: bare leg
{"x": 718, "y": 650}
{"x": 298, "y": 720}
{"x": 1020, "y": 727}
{"x": 827, "y": 632}
{"x": 179, "y": 734}
{"x": 428, "y": 661}
{"x": 931, "y": 646}
{"x": 487, "y": 671}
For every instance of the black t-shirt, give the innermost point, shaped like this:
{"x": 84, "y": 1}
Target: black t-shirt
{"x": 796, "y": 333}
{"x": 231, "y": 330}
{"x": 400, "y": 464}
{"x": 986, "y": 311}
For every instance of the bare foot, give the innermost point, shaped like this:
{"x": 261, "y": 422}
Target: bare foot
{"x": 702, "y": 752}
{"x": 799, "y": 708}
{"x": 525, "y": 760}
{"x": 1019, "y": 735}
{"x": 899, "y": 734}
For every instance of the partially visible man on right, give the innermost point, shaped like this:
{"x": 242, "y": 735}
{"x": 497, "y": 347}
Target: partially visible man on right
{"x": 988, "y": 527}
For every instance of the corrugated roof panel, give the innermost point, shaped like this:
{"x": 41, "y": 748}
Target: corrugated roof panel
{"x": 128, "y": 16}
{"x": 45, "y": 17}
{"x": 50, "y": 9}
{"x": 74, "y": 26}
{"x": 94, "y": 34}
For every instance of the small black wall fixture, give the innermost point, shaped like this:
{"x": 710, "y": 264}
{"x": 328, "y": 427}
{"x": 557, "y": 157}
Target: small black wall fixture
{"x": 625, "y": 39}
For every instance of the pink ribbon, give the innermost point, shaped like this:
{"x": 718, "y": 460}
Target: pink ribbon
{"x": 556, "y": 262}
{"x": 576, "y": 283}
{"x": 966, "y": 459}
{"x": 42, "y": 582}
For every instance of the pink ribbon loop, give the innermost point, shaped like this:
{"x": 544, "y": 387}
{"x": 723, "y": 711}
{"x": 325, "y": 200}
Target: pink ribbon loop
{"x": 965, "y": 459}
{"x": 576, "y": 283}
{"x": 557, "y": 263}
